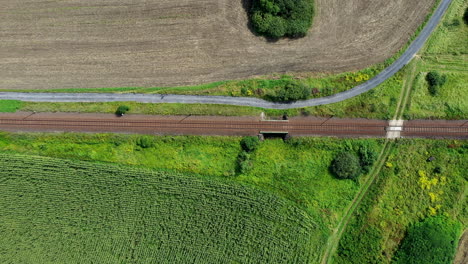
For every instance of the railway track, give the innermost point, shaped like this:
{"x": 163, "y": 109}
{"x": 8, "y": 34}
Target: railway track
{"x": 226, "y": 126}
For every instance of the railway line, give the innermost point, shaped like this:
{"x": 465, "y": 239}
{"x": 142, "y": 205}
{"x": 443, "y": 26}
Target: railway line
{"x": 195, "y": 125}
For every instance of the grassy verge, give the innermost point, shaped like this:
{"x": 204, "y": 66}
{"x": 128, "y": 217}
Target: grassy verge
{"x": 10, "y": 106}
{"x": 378, "y": 103}
{"x": 408, "y": 189}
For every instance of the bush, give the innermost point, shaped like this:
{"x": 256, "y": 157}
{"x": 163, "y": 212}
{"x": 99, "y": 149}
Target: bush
{"x": 121, "y": 110}
{"x": 292, "y": 92}
{"x": 465, "y": 16}
{"x": 145, "y": 142}
{"x": 279, "y": 18}
{"x": 367, "y": 158}
{"x": 432, "y": 241}
{"x": 249, "y": 144}
{"x": 435, "y": 81}
{"x": 346, "y": 166}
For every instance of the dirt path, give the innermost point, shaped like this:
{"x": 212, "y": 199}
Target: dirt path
{"x": 119, "y": 43}
{"x": 462, "y": 253}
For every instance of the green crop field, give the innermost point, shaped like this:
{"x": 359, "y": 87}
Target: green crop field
{"x": 58, "y": 211}
{"x": 410, "y": 188}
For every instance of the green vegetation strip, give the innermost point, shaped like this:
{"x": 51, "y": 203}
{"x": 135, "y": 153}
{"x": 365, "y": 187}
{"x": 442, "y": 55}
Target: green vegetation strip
{"x": 60, "y": 211}
{"x": 10, "y": 106}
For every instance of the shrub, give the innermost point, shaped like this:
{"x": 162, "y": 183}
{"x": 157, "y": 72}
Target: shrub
{"x": 465, "y": 16}
{"x": 432, "y": 241}
{"x": 435, "y": 80}
{"x": 243, "y": 162}
{"x": 145, "y": 142}
{"x": 367, "y": 158}
{"x": 292, "y": 91}
{"x": 346, "y": 166}
{"x": 279, "y": 18}
{"x": 249, "y": 144}
{"x": 121, "y": 110}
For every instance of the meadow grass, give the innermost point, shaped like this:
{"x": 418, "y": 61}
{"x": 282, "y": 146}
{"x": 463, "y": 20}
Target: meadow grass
{"x": 409, "y": 188}
{"x": 446, "y": 52}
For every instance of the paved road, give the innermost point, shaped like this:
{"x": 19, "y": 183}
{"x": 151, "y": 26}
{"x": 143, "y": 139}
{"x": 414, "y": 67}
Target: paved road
{"x": 235, "y": 126}
{"x": 190, "y": 99}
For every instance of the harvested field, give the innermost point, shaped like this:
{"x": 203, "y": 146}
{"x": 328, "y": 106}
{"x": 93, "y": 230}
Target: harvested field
{"x": 119, "y": 43}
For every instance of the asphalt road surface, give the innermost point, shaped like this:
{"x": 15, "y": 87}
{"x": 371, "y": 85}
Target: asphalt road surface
{"x": 232, "y": 126}
{"x": 412, "y": 50}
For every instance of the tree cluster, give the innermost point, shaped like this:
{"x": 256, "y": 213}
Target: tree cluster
{"x": 282, "y": 18}
{"x": 291, "y": 92}
{"x": 348, "y": 165}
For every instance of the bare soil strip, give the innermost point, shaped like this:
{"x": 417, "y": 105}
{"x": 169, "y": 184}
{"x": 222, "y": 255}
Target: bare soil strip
{"x": 119, "y": 43}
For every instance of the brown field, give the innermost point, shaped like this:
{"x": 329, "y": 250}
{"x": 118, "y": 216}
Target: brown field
{"x": 120, "y": 43}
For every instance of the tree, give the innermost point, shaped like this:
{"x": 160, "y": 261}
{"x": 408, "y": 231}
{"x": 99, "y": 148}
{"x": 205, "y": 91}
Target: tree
{"x": 249, "y": 144}
{"x": 435, "y": 81}
{"x": 121, "y": 110}
{"x": 279, "y": 18}
{"x": 367, "y": 157}
{"x": 292, "y": 91}
{"x": 433, "y": 240}
{"x": 346, "y": 166}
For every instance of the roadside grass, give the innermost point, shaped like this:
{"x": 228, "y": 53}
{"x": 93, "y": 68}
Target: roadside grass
{"x": 10, "y": 106}
{"x": 408, "y": 189}
{"x": 298, "y": 172}
{"x": 377, "y": 103}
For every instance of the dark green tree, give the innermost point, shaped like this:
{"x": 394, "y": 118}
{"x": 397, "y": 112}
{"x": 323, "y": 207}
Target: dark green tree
{"x": 346, "y": 166}
{"x": 121, "y": 110}
{"x": 278, "y": 18}
{"x": 433, "y": 240}
{"x": 435, "y": 81}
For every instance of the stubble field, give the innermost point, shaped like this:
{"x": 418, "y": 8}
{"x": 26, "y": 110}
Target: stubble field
{"x": 121, "y": 43}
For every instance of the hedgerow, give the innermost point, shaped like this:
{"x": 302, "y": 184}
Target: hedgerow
{"x": 279, "y": 18}
{"x": 60, "y": 211}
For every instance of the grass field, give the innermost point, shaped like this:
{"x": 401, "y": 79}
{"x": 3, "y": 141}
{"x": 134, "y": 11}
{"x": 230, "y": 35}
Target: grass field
{"x": 408, "y": 189}
{"x": 296, "y": 172}
{"x": 58, "y": 211}
{"x": 10, "y": 106}
{"x": 447, "y": 53}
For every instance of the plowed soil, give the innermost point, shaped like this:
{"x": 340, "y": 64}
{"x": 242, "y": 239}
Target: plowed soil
{"x": 118, "y": 43}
